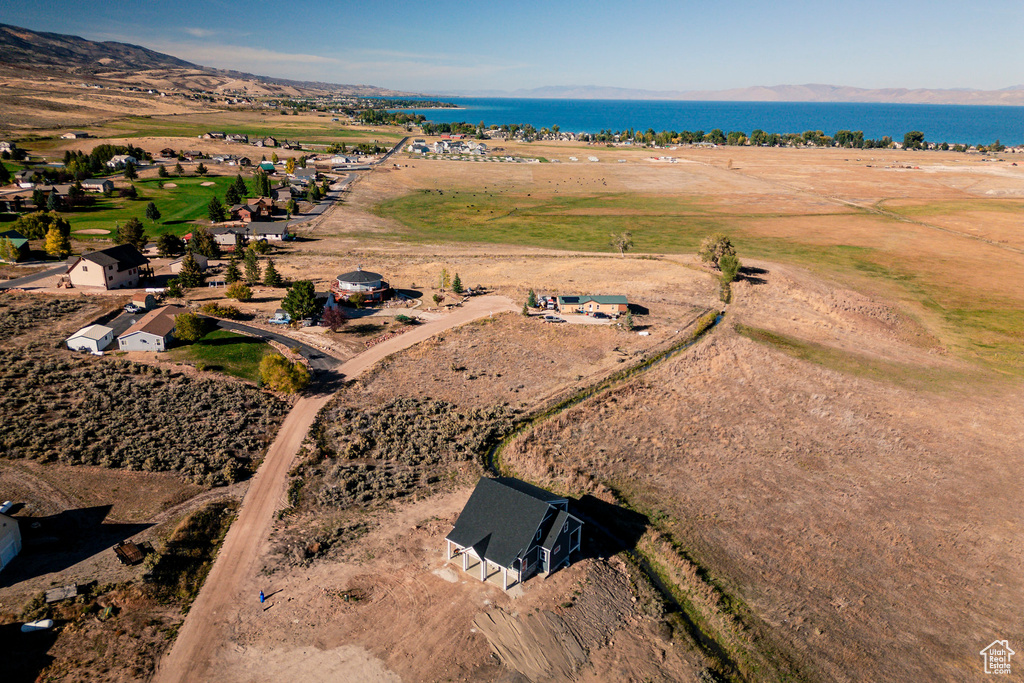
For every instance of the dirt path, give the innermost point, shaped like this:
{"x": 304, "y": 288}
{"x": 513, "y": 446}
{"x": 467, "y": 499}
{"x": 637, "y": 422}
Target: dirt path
{"x": 232, "y": 580}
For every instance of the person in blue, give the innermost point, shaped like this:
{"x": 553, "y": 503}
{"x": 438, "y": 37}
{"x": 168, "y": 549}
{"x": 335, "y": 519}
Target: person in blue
{"x": 262, "y": 597}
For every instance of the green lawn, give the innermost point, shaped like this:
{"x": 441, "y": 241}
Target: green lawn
{"x": 179, "y": 205}
{"x": 293, "y": 128}
{"x": 980, "y": 323}
{"x": 227, "y": 352}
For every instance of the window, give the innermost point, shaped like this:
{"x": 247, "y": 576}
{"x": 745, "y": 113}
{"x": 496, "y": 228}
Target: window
{"x": 538, "y": 534}
{"x": 565, "y": 527}
{"x": 110, "y": 278}
{"x": 85, "y": 269}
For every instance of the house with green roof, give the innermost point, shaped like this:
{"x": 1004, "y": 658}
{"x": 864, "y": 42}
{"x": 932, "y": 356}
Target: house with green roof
{"x": 612, "y": 305}
{"x": 18, "y": 241}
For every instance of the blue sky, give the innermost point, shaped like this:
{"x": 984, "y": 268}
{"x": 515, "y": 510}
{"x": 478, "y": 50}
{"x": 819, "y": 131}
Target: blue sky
{"x": 648, "y": 44}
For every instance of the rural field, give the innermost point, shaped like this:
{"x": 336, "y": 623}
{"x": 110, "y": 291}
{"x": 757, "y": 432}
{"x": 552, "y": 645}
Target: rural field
{"x": 817, "y": 476}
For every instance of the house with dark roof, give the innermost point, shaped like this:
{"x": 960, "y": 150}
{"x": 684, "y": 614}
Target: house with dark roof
{"x": 111, "y": 268}
{"x": 98, "y": 185}
{"x": 511, "y": 527}
{"x": 370, "y": 285}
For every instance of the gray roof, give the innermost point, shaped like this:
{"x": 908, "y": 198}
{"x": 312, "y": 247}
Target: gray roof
{"x": 360, "y": 276}
{"x": 93, "y": 332}
{"x": 501, "y": 519}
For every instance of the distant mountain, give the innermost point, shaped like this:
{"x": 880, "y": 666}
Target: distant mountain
{"x": 22, "y": 49}
{"x": 812, "y": 92}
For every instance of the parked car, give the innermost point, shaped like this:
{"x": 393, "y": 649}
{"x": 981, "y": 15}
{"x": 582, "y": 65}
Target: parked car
{"x": 132, "y": 308}
{"x": 602, "y": 316}
{"x": 553, "y": 319}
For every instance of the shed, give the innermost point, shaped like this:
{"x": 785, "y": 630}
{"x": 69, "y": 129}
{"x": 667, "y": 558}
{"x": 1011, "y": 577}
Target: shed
{"x": 144, "y": 301}
{"x": 514, "y": 527}
{"x": 93, "y": 338}
{"x": 10, "y": 540}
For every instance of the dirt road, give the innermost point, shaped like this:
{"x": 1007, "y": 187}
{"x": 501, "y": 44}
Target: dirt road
{"x": 232, "y": 581}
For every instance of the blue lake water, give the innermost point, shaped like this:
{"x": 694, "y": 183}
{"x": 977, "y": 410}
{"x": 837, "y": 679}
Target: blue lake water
{"x": 939, "y": 122}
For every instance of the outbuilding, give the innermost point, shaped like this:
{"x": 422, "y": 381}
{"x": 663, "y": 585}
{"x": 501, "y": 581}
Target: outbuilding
{"x": 93, "y": 338}
{"x": 515, "y": 528}
{"x": 10, "y": 540}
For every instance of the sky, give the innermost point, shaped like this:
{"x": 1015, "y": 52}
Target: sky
{"x": 451, "y": 45}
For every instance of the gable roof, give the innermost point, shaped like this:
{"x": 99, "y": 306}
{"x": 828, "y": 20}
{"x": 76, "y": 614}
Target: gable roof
{"x": 16, "y": 238}
{"x": 159, "y": 321}
{"x": 603, "y": 299}
{"x": 92, "y": 332}
{"x": 124, "y": 256}
{"x": 501, "y": 519}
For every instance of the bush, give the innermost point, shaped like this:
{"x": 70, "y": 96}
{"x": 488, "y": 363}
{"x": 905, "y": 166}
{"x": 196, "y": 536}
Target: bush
{"x": 239, "y": 291}
{"x": 280, "y": 374}
{"x": 189, "y": 327}
{"x": 220, "y": 311}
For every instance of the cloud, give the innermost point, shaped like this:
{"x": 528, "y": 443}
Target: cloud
{"x": 237, "y": 56}
{"x": 200, "y": 32}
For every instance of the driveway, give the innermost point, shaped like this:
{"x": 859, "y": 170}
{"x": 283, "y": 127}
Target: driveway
{"x": 35, "y": 277}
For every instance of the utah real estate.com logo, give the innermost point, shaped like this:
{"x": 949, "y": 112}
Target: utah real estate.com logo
{"x": 997, "y": 657}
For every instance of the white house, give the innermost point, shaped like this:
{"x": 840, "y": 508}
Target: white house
{"x": 10, "y": 540}
{"x": 93, "y": 338}
{"x": 121, "y": 160}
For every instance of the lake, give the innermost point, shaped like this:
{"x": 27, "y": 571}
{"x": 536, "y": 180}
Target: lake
{"x": 972, "y": 125}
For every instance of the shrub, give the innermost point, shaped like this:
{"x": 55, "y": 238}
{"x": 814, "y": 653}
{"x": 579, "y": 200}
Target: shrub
{"x": 239, "y": 291}
{"x": 221, "y": 311}
{"x": 280, "y": 374}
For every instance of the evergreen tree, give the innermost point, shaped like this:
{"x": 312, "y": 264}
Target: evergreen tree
{"x": 169, "y": 245}
{"x": 215, "y": 210}
{"x": 5, "y": 175}
{"x": 240, "y": 186}
{"x": 133, "y": 233}
{"x": 300, "y": 301}
{"x": 152, "y": 213}
{"x": 271, "y": 278}
{"x": 129, "y": 171}
{"x": 174, "y": 289}
{"x": 457, "y": 284}
{"x": 201, "y": 169}
{"x": 531, "y": 299}
{"x": 178, "y": 170}
{"x": 53, "y": 201}
{"x": 232, "y": 275}
{"x": 252, "y": 267}
{"x": 162, "y": 171}
{"x": 292, "y": 207}
{"x": 203, "y": 243}
{"x": 191, "y": 275}
{"x": 231, "y": 197}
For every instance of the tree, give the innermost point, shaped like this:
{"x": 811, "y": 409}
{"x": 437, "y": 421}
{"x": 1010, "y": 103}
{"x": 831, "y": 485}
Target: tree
{"x": 169, "y": 245}
{"x": 215, "y": 210}
{"x": 5, "y": 175}
{"x": 240, "y": 186}
{"x": 231, "y": 197}
{"x": 334, "y": 318}
{"x": 252, "y": 266}
{"x": 129, "y": 171}
{"x": 174, "y": 289}
{"x": 8, "y": 252}
{"x": 152, "y": 213}
{"x": 239, "y": 291}
{"x": 292, "y": 208}
{"x": 445, "y": 281}
{"x": 178, "y": 170}
{"x": 201, "y": 169}
{"x": 162, "y": 171}
{"x": 730, "y": 267}
{"x": 313, "y": 195}
{"x": 438, "y": 298}
{"x": 913, "y": 140}
{"x": 278, "y": 373}
{"x": 531, "y": 299}
{"x": 203, "y": 243}
{"x": 133, "y": 233}
{"x": 35, "y": 225}
{"x": 261, "y": 183}
{"x": 627, "y": 321}
{"x": 274, "y": 158}
{"x": 289, "y": 166}
{"x": 189, "y": 327}
{"x": 53, "y": 202}
{"x": 271, "y": 278}
{"x": 300, "y": 301}
{"x": 526, "y": 311}
{"x": 622, "y": 241}
{"x": 714, "y": 247}
{"x": 57, "y": 244}
{"x": 457, "y": 284}
{"x": 232, "y": 275}
{"x": 191, "y": 275}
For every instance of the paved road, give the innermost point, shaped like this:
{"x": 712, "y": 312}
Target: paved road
{"x": 327, "y": 202}
{"x": 318, "y": 360}
{"x": 234, "y": 579}
{"x": 35, "y": 277}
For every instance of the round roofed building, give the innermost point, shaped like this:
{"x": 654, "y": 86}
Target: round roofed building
{"x": 371, "y": 286}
